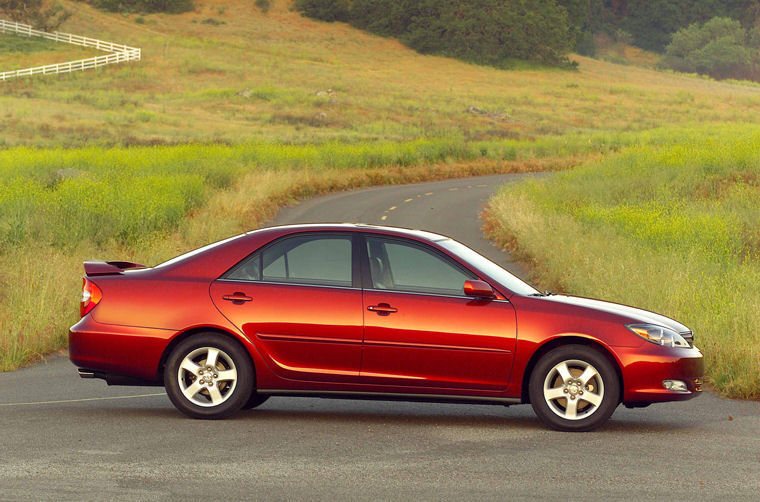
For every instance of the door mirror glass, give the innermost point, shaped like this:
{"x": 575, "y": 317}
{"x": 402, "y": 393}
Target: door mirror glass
{"x": 478, "y": 289}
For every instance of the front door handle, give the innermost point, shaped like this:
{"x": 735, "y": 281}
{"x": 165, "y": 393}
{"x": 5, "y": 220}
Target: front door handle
{"x": 382, "y": 309}
{"x": 237, "y": 298}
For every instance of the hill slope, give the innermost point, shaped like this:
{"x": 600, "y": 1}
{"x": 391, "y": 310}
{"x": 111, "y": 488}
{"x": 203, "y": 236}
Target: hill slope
{"x": 227, "y": 72}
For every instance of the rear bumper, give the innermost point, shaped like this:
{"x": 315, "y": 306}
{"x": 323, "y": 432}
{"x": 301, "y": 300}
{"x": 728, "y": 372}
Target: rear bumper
{"x": 117, "y": 351}
{"x": 113, "y": 379}
{"x": 645, "y": 367}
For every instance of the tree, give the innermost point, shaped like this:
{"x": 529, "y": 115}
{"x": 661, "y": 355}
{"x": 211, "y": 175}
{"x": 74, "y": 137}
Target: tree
{"x": 578, "y": 13}
{"x": 717, "y": 48}
{"x": 34, "y": 12}
{"x": 145, "y": 6}
{"x": 481, "y": 31}
{"x": 324, "y": 10}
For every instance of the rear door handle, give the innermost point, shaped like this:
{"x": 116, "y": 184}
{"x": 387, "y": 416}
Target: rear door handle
{"x": 382, "y": 309}
{"x": 237, "y": 298}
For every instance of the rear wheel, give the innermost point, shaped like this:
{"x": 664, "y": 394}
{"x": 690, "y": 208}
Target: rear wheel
{"x": 574, "y": 388}
{"x": 208, "y": 376}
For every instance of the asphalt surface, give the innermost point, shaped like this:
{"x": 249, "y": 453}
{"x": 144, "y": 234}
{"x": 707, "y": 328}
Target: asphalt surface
{"x": 64, "y": 438}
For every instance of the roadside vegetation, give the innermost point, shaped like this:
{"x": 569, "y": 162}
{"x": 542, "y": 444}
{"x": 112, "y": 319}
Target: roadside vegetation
{"x": 239, "y": 107}
{"x": 148, "y": 204}
{"x": 672, "y": 227}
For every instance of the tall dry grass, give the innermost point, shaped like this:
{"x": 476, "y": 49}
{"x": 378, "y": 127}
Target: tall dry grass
{"x": 673, "y": 229}
{"x": 40, "y": 280}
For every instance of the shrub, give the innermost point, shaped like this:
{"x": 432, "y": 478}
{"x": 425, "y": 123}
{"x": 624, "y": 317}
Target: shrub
{"x": 325, "y": 10}
{"x": 34, "y": 12}
{"x": 481, "y": 31}
{"x": 717, "y": 48}
{"x": 263, "y": 5}
{"x": 146, "y": 6}
{"x": 586, "y": 46}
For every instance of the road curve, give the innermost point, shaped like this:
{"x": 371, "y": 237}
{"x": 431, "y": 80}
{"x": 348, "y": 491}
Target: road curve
{"x": 64, "y": 438}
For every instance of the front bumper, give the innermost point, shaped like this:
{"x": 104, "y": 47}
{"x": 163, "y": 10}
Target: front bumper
{"x": 645, "y": 368}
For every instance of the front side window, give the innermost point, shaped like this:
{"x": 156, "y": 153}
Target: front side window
{"x": 400, "y": 266}
{"x": 309, "y": 259}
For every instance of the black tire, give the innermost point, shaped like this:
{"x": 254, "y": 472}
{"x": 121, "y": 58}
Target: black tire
{"x": 255, "y": 400}
{"x": 589, "y": 416}
{"x": 233, "y": 396}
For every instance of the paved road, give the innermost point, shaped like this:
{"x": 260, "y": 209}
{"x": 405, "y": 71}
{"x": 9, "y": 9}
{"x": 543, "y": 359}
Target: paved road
{"x": 78, "y": 439}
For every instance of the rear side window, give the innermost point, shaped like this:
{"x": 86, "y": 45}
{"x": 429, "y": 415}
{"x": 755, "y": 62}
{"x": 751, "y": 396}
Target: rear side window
{"x": 309, "y": 259}
{"x": 401, "y": 266}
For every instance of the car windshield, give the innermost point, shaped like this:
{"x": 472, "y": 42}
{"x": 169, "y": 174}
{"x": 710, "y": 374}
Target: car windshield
{"x": 488, "y": 267}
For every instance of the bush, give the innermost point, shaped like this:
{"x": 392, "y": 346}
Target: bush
{"x": 35, "y": 13}
{"x": 481, "y": 31}
{"x": 325, "y": 10}
{"x": 144, "y": 6}
{"x": 385, "y": 17}
{"x": 586, "y": 46}
{"x": 717, "y": 48}
{"x": 263, "y": 5}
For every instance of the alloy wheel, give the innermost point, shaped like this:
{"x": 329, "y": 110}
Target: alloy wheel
{"x": 573, "y": 389}
{"x": 207, "y": 376}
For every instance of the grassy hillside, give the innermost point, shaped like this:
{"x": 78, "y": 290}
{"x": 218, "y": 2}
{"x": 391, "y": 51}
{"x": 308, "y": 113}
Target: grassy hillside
{"x": 268, "y": 77}
{"x": 672, "y": 228}
{"x": 18, "y": 52}
{"x": 233, "y": 113}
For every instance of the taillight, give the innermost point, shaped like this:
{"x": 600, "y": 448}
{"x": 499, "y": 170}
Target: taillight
{"x": 91, "y": 296}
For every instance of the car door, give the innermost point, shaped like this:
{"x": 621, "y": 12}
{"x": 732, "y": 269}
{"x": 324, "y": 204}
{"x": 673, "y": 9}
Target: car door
{"x": 299, "y": 300}
{"x": 420, "y": 328}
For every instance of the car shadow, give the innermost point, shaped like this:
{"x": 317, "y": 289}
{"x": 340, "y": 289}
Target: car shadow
{"x": 392, "y": 414}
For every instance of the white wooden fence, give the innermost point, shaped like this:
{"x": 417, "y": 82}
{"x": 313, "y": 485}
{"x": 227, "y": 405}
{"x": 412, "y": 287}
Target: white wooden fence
{"x": 118, "y": 53}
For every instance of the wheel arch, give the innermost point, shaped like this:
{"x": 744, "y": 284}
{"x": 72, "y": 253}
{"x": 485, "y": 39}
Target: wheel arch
{"x": 559, "y": 341}
{"x": 184, "y": 335}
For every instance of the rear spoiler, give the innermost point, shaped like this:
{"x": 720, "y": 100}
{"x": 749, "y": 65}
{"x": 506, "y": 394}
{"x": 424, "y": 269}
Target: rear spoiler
{"x": 109, "y": 267}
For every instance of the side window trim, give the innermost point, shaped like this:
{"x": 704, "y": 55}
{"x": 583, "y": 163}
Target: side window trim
{"x": 353, "y": 237}
{"x": 367, "y": 283}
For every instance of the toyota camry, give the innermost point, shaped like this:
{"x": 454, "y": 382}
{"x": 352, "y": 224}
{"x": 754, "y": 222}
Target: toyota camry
{"x": 368, "y": 312}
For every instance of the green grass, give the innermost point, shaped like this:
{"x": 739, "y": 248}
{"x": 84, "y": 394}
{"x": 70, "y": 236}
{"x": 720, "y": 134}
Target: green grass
{"x": 265, "y": 77}
{"x": 672, "y": 227}
{"x": 18, "y": 52}
{"x": 62, "y": 197}
{"x": 59, "y": 207}
{"x": 14, "y": 43}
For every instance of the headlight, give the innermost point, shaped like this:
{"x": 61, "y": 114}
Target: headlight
{"x": 659, "y": 335}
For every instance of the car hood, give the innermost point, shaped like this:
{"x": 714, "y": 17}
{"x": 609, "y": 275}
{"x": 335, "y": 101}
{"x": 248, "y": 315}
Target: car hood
{"x": 633, "y": 314}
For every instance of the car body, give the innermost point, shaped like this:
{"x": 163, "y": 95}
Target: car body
{"x": 359, "y": 311}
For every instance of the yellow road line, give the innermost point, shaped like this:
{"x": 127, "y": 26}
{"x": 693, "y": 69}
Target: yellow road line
{"x": 408, "y": 200}
{"x": 383, "y": 218}
{"x": 391, "y": 208}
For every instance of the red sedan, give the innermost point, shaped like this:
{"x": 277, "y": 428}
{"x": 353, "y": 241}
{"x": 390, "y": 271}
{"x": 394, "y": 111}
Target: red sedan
{"x": 356, "y": 311}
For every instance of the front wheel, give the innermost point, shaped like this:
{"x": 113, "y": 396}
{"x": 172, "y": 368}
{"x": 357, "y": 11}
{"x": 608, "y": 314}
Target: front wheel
{"x": 574, "y": 388}
{"x": 208, "y": 376}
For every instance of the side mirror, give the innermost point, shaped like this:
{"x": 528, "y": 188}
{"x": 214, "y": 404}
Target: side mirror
{"x": 478, "y": 289}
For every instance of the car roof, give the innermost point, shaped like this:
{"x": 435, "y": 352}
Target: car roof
{"x": 353, "y": 227}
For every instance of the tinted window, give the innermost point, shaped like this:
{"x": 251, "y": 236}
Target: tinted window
{"x": 396, "y": 265}
{"x": 312, "y": 259}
